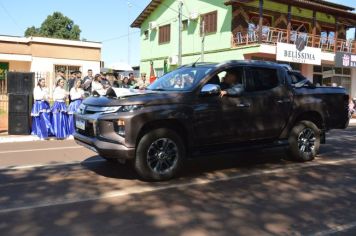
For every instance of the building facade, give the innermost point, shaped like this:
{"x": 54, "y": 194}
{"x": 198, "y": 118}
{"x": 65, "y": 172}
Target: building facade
{"x": 305, "y": 34}
{"x": 43, "y": 56}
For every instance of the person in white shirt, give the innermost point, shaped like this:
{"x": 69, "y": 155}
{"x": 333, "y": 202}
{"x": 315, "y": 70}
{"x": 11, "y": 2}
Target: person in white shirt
{"x": 41, "y": 122}
{"x": 59, "y": 111}
{"x": 77, "y": 94}
{"x": 96, "y": 85}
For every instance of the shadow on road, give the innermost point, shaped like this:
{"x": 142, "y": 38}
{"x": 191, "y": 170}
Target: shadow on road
{"x": 70, "y": 200}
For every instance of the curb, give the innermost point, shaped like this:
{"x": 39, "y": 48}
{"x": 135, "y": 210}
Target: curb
{"x": 27, "y": 138}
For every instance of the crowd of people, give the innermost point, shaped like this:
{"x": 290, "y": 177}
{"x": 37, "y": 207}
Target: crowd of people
{"x": 57, "y": 120}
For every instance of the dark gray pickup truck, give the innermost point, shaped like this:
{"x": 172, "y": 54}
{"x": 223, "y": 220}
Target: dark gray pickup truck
{"x": 185, "y": 114}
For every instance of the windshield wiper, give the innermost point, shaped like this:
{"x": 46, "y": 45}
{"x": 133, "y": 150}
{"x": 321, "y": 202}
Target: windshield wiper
{"x": 303, "y": 82}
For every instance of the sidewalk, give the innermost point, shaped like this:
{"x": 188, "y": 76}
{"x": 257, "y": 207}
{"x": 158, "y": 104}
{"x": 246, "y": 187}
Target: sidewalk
{"x": 5, "y": 138}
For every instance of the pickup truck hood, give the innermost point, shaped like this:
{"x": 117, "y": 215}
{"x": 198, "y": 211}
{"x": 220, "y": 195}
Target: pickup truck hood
{"x": 121, "y": 96}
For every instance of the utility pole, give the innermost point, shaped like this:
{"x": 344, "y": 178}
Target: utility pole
{"x": 202, "y": 40}
{"x": 128, "y": 32}
{"x": 180, "y": 4}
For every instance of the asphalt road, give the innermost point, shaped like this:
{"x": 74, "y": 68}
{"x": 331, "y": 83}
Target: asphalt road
{"x": 60, "y": 188}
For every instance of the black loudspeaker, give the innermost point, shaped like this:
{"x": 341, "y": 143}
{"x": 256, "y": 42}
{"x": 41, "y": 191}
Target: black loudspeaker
{"x": 19, "y": 82}
{"x": 19, "y": 113}
{"x": 19, "y": 103}
{"x": 19, "y": 123}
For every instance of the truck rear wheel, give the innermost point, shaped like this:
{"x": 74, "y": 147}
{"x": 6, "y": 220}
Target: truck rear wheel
{"x": 304, "y": 141}
{"x": 159, "y": 154}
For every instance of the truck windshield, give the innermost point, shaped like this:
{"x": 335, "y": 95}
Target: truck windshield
{"x": 182, "y": 79}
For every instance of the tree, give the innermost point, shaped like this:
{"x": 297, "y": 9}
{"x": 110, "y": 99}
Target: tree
{"x": 56, "y": 26}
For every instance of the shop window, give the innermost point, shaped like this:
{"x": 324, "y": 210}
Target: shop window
{"x": 317, "y": 79}
{"x": 210, "y": 21}
{"x": 164, "y": 34}
{"x": 338, "y": 70}
{"x": 340, "y": 77}
{"x": 346, "y": 71}
{"x": 317, "y": 69}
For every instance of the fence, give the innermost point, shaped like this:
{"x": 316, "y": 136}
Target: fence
{"x": 273, "y": 36}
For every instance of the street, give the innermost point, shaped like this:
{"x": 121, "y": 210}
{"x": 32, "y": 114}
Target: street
{"x": 61, "y": 188}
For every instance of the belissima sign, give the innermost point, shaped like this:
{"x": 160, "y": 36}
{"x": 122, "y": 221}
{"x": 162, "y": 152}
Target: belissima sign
{"x": 292, "y": 53}
{"x": 343, "y": 59}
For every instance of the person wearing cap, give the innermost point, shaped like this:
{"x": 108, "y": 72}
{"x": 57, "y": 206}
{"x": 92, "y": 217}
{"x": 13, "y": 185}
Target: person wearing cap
{"x": 78, "y": 74}
{"x": 60, "y": 74}
{"x": 105, "y": 82}
{"x": 132, "y": 79}
{"x": 71, "y": 79}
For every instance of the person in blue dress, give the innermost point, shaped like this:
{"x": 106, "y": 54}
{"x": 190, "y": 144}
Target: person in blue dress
{"x": 77, "y": 95}
{"x": 41, "y": 116}
{"x": 59, "y": 111}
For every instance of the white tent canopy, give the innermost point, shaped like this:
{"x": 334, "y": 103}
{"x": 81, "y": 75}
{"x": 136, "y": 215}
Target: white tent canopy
{"x": 121, "y": 66}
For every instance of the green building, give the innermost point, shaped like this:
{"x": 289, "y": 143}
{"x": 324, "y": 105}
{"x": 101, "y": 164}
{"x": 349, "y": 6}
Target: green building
{"x": 303, "y": 33}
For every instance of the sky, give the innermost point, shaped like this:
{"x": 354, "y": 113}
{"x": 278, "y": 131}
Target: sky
{"x": 105, "y": 21}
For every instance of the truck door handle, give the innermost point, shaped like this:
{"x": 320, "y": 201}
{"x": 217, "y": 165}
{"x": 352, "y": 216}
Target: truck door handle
{"x": 243, "y": 105}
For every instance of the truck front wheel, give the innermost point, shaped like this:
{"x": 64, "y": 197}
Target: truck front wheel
{"x": 304, "y": 141}
{"x": 159, "y": 154}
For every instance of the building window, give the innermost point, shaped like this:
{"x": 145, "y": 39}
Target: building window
{"x": 164, "y": 34}
{"x": 210, "y": 21}
{"x": 185, "y": 24}
{"x": 145, "y": 34}
{"x": 67, "y": 69}
{"x": 261, "y": 79}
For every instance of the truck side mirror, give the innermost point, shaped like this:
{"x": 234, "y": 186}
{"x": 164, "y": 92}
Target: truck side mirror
{"x": 210, "y": 89}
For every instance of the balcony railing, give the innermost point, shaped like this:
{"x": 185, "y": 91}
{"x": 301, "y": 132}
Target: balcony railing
{"x": 274, "y": 35}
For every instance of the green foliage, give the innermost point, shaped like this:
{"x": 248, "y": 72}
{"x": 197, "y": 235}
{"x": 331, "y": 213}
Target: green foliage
{"x": 56, "y": 26}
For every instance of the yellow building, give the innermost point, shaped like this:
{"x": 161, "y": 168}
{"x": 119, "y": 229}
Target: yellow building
{"x": 44, "y": 56}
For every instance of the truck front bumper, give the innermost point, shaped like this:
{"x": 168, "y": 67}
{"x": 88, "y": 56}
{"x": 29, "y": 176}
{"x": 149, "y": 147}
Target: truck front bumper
{"x": 105, "y": 148}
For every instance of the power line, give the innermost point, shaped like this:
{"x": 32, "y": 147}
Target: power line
{"x": 119, "y": 37}
{"x": 10, "y": 16}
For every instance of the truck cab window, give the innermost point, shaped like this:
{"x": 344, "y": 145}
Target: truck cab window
{"x": 259, "y": 79}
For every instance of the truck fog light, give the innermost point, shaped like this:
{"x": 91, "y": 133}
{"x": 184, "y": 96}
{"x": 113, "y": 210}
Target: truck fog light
{"x": 121, "y": 123}
{"x": 120, "y": 127}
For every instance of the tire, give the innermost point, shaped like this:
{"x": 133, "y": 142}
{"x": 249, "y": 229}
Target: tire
{"x": 304, "y": 141}
{"x": 159, "y": 155}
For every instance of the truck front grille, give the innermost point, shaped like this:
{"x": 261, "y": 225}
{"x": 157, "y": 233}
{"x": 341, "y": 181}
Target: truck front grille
{"x": 89, "y": 130}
